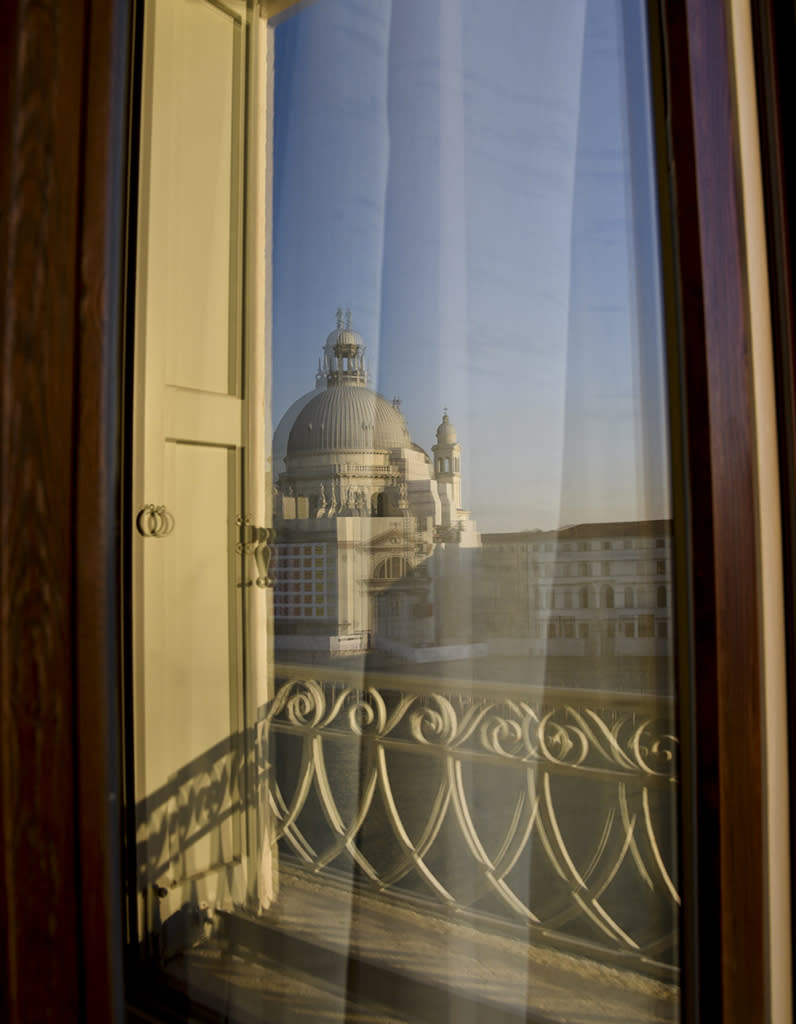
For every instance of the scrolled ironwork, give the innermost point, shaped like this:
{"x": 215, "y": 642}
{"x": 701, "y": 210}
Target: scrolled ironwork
{"x": 303, "y": 702}
{"x": 433, "y": 722}
{"x": 504, "y": 734}
{"x": 542, "y": 810}
{"x": 366, "y": 711}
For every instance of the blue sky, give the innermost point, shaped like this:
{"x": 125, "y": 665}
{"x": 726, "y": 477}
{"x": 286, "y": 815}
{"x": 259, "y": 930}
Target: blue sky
{"x": 458, "y": 173}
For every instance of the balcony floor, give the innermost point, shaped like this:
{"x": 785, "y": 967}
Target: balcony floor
{"x": 328, "y": 953}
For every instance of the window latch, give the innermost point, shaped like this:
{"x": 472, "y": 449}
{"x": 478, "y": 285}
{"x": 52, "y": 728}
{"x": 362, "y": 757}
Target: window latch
{"x": 256, "y": 541}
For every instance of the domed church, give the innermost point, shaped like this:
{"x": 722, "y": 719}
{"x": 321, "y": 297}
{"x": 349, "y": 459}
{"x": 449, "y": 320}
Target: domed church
{"x": 373, "y": 548}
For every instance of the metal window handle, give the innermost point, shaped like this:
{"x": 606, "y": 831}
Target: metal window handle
{"x": 256, "y": 540}
{"x": 154, "y": 521}
{"x": 263, "y": 553}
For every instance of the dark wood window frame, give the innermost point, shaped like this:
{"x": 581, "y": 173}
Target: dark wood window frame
{"x": 774, "y": 28}
{"x": 63, "y": 133}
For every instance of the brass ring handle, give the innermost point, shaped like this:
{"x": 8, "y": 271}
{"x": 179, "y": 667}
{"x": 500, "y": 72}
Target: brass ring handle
{"x": 154, "y": 521}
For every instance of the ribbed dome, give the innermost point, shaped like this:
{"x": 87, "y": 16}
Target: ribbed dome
{"x": 347, "y": 417}
{"x": 285, "y": 425}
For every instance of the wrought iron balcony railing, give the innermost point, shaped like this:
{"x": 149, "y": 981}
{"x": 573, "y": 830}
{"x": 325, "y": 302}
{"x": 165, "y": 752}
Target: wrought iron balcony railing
{"x": 545, "y": 813}
{"x": 550, "y": 809}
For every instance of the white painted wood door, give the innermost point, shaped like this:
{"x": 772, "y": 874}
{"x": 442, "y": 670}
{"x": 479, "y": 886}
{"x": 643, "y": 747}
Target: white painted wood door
{"x": 201, "y": 623}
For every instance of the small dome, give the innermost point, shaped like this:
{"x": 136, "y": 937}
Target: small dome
{"x": 348, "y": 418}
{"x": 445, "y": 431}
{"x": 344, "y": 354}
{"x": 343, "y": 340}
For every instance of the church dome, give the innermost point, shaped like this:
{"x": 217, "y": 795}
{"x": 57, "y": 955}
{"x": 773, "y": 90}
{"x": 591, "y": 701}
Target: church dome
{"x": 347, "y": 417}
{"x": 285, "y": 425}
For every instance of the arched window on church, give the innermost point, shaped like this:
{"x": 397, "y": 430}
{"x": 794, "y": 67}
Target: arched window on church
{"x": 393, "y": 568}
{"x": 378, "y": 504}
{"x": 584, "y": 597}
{"x": 608, "y": 597}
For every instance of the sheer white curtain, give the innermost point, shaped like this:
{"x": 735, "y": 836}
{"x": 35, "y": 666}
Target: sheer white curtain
{"x": 467, "y": 177}
{"x": 425, "y": 177}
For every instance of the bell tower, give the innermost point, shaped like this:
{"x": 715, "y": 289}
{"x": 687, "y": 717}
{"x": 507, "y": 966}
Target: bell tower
{"x": 447, "y": 459}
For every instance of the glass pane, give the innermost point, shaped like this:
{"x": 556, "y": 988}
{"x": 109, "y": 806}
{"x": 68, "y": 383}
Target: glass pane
{"x": 448, "y": 788}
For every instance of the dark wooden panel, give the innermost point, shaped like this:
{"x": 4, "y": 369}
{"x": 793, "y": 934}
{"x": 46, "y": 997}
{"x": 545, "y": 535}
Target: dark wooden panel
{"x": 775, "y": 45}
{"x": 97, "y": 593}
{"x": 724, "y": 926}
{"x": 42, "y": 189}
{"x": 58, "y": 882}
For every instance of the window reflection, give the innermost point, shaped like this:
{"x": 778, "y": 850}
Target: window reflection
{"x": 452, "y": 762}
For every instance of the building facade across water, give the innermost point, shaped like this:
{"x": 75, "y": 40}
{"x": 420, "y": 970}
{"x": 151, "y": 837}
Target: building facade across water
{"x": 595, "y": 589}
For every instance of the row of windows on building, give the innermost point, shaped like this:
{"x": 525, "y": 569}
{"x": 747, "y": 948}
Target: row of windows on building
{"x": 607, "y": 597}
{"x": 316, "y": 610}
{"x": 644, "y": 627}
{"x": 300, "y": 581}
{"x": 656, "y": 567}
{"x": 623, "y": 544}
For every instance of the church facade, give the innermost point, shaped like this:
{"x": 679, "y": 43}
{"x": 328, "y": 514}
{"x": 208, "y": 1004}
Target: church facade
{"x": 373, "y": 548}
